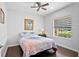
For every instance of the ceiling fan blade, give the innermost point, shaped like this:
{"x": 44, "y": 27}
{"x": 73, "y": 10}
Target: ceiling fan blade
{"x": 34, "y": 6}
{"x": 45, "y": 4}
{"x": 38, "y": 3}
{"x": 38, "y": 9}
{"x": 44, "y": 8}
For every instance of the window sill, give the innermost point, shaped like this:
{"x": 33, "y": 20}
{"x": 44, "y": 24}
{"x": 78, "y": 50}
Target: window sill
{"x": 62, "y": 37}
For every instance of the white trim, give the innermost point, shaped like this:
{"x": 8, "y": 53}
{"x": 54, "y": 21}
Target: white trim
{"x": 5, "y": 51}
{"x": 13, "y": 45}
{"x": 62, "y": 37}
{"x": 68, "y": 48}
{"x": 6, "y": 48}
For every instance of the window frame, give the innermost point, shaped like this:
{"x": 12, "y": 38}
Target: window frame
{"x": 65, "y": 17}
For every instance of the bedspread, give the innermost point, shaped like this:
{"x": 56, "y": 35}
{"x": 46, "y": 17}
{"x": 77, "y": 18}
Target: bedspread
{"x": 33, "y": 46}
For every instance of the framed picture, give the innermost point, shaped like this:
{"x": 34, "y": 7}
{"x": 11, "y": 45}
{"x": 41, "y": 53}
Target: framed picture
{"x": 2, "y": 16}
{"x": 28, "y": 24}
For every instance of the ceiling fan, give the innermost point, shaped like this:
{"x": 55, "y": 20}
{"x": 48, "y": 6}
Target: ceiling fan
{"x": 39, "y": 6}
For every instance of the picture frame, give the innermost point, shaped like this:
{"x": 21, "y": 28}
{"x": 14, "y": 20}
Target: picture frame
{"x": 28, "y": 24}
{"x": 2, "y": 16}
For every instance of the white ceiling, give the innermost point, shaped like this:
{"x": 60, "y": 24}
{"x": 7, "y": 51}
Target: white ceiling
{"x": 25, "y": 7}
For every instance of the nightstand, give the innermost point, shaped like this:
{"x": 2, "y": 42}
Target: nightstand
{"x": 43, "y": 35}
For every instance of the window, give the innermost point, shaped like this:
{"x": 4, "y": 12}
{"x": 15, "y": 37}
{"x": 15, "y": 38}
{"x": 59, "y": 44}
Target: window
{"x": 62, "y": 27}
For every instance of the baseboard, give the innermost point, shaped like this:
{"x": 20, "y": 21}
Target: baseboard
{"x": 13, "y": 45}
{"x": 68, "y": 48}
{"x": 5, "y": 51}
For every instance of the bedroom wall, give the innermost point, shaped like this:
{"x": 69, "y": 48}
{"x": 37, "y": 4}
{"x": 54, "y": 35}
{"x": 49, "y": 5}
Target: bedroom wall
{"x": 3, "y": 28}
{"x": 73, "y": 12}
{"x": 16, "y": 24}
{"x": 3, "y": 31}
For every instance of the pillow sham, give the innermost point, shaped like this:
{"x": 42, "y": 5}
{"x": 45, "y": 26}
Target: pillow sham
{"x": 27, "y": 34}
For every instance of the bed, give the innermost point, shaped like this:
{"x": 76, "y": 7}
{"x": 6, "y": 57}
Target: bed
{"x": 32, "y": 44}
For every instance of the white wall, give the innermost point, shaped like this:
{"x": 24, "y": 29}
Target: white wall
{"x": 16, "y": 24}
{"x": 3, "y": 30}
{"x": 73, "y": 12}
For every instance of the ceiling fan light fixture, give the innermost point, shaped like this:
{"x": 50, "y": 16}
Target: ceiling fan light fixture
{"x": 51, "y": 7}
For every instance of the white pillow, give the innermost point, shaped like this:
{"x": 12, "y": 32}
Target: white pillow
{"x": 27, "y": 34}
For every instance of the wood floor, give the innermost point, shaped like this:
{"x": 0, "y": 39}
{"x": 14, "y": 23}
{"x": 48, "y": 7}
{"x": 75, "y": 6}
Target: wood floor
{"x": 16, "y": 51}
